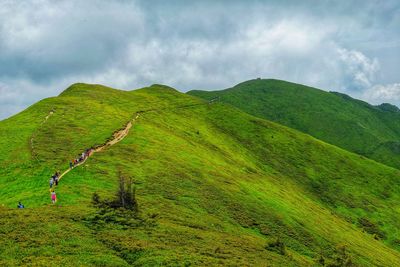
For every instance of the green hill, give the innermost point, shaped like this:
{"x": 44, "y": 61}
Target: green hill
{"x": 372, "y": 131}
{"x": 214, "y": 186}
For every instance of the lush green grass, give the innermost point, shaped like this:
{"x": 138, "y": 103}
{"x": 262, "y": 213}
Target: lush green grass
{"x": 50, "y": 236}
{"x": 372, "y": 131}
{"x": 214, "y": 185}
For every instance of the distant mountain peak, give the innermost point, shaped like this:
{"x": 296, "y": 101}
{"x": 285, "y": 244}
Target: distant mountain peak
{"x": 388, "y": 107}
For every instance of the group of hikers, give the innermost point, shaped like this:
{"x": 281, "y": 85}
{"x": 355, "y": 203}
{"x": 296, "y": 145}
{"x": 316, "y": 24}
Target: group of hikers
{"x": 81, "y": 158}
{"x": 54, "y": 182}
{"x": 56, "y": 177}
{"x": 73, "y": 163}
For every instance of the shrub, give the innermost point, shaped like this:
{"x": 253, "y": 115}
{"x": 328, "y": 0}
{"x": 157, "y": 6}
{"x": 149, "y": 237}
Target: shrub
{"x": 341, "y": 258}
{"x": 277, "y": 246}
{"x": 371, "y": 228}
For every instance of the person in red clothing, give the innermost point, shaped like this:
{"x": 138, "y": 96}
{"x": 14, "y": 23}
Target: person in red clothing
{"x": 53, "y": 197}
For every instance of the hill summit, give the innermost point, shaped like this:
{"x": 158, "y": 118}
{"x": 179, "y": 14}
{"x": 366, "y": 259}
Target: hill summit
{"x": 336, "y": 118}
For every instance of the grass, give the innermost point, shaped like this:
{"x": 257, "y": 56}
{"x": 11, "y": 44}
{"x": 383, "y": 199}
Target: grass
{"x": 215, "y": 186}
{"x": 338, "y": 119}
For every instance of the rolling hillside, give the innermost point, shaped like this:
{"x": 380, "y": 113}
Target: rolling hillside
{"x": 214, "y": 186}
{"x": 372, "y": 131}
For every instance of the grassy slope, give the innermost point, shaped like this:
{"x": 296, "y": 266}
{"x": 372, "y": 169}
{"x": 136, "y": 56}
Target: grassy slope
{"x": 216, "y": 184}
{"x": 332, "y": 117}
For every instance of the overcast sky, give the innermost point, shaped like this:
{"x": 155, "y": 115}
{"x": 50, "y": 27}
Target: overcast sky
{"x": 333, "y": 45}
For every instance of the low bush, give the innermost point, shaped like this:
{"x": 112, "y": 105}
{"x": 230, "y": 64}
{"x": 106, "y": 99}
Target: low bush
{"x": 277, "y": 246}
{"x": 371, "y": 228}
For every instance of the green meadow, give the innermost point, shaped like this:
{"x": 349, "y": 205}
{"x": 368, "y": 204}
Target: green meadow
{"x": 214, "y": 186}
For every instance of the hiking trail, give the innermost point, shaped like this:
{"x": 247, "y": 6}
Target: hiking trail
{"x": 120, "y": 134}
{"x": 116, "y": 137}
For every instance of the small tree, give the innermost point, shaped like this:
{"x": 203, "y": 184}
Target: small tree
{"x": 126, "y": 194}
{"x": 121, "y": 192}
{"x": 131, "y": 199}
{"x": 125, "y": 197}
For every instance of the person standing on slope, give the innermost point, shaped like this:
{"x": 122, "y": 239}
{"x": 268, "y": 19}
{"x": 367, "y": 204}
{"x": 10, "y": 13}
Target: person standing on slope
{"x": 51, "y": 182}
{"x": 57, "y": 177}
{"x": 53, "y": 197}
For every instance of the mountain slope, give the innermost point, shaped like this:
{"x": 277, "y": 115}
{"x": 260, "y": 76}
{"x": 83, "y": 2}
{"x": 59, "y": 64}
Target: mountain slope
{"x": 372, "y": 131}
{"x": 214, "y": 186}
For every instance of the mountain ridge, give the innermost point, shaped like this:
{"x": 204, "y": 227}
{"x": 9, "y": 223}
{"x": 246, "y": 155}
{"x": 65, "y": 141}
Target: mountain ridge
{"x": 333, "y": 117}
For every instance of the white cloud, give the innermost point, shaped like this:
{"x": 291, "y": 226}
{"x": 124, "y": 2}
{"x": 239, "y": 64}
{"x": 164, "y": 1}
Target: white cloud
{"x": 360, "y": 68}
{"x": 47, "y": 45}
{"x": 389, "y": 93}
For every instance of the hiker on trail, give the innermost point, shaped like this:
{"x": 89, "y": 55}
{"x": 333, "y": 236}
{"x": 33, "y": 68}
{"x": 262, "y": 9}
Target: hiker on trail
{"x": 20, "y": 205}
{"x": 53, "y": 197}
{"x": 83, "y": 155}
{"x": 56, "y": 180}
{"x": 71, "y": 164}
{"x": 51, "y": 182}
{"x": 88, "y": 152}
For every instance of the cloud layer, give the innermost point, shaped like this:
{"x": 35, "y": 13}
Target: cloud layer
{"x": 47, "y": 45}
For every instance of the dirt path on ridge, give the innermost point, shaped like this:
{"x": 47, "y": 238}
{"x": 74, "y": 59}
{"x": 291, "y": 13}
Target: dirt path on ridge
{"x": 116, "y": 137}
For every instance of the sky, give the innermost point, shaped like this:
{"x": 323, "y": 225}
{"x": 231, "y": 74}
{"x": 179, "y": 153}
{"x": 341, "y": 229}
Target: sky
{"x": 346, "y": 46}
